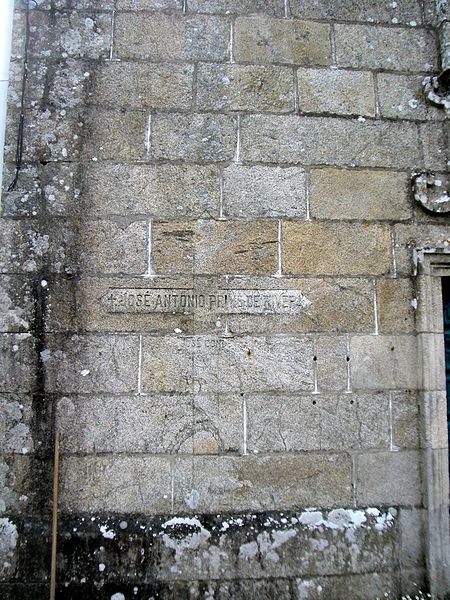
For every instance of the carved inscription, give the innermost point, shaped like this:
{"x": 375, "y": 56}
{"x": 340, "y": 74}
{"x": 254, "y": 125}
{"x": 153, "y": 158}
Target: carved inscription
{"x": 186, "y": 301}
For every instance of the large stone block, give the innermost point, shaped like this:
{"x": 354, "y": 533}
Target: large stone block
{"x": 142, "y": 85}
{"x": 17, "y": 304}
{"x": 114, "y": 247}
{"x": 16, "y": 419}
{"x": 211, "y": 484}
{"x": 396, "y": 49}
{"x": 17, "y": 362}
{"x": 329, "y": 141}
{"x": 363, "y": 195}
{"x": 158, "y": 191}
{"x": 61, "y": 188}
{"x": 274, "y": 8}
{"x": 91, "y": 363}
{"x": 123, "y": 484}
{"x": 401, "y": 97}
{"x": 216, "y": 364}
{"x": 336, "y": 91}
{"x": 384, "y": 362}
{"x": 405, "y": 419}
{"x": 193, "y": 138}
{"x": 261, "y": 39}
{"x": 435, "y": 147}
{"x": 395, "y": 298}
{"x": 25, "y": 199}
{"x": 403, "y": 11}
{"x": 336, "y": 422}
{"x": 211, "y": 247}
{"x": 386, "y": 478}
{"x": 264, "y": 192}
{"x": 191, "y": 37}
{"x": 335, "y": 249}
{"x": 245, "y": 88}
{"x": 331, "y": 355}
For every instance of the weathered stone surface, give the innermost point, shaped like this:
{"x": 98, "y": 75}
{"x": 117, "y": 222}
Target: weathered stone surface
{"x": 264, "y": 192}
{"x": 336, "y": 91}
{"x": 159, "y": 191}
{"x": 388, "y": 478}
{"x": 403, "y": 11}
{"x": 384, "y": 362}
{"x": 363, "y": 586}
{"x": 409, "y": 237}
{"x": 267, "y": 40}
{"x": 17, "y": 362}
{"x": 114, "y": 247}
{"x": 16, "y": 304}
{"x": 15, "y": 422}
{"x": 149, "y": 5}
{"x": 332, "y": 249}
{"x": 245, "y": 88}
{"x": 362, "y": 195}
{"x": 91, "y": 363}
{"x": 412, "y": 525}
{"x": 395, "y": 305}
{"x": 25, "y": 199}
{"x": 401, "y": 97}
{"x": 142, "y": 85}
{"x": 293, "y": 424}
{"x": 405, "y": 420}
{"x": 435, "y": 150}
{"x": 270, "y": 7}
{"x": 219, "y": 364}
{"x": 331, "y": 354}
{"x": 329, "y": 141}
{"x": 191, "y": 37}
{"x": 365, "y": 47}
{"x": 211, "y": 247}
{"x": 210, "y": 484}
{"x": 116, "y": 484}
{"x": 198, "y": 137}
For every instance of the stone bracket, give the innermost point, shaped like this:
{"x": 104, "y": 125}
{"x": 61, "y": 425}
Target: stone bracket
{"x": 432, "y": 193}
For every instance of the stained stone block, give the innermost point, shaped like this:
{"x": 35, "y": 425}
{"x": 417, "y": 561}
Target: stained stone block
{"x": 15, "y": 424}
{"x": 365, "y": 47}
{"x": 114, "y": 247}
{"x": 405, "y": 419}
{"x": 433, "y": 136}
{"x": 17, "y": 362}
{"x": 261, "y": 39}
{"x": 412, "y": 525}
{"x": 350, "y": 586}
{"x": 336, "y": 91}
{"x": 16, "y": 248}
{"x": 70, "y": 82}
{"x": 114, "y": 135}
{"x": 193, "y": 138}
{"x": 25, "y": 199}
{"x": 329, "y": 141}
{"x": 384, "y": 362}
{"x": 256, "y": 191}
{"x": 142, "y": 85}
{"x": 359, "y": 194}
{"x": 159, "y": 191}
{"x": 401, "y": 97}
{"x": 218, "y": 423}
{"x": 149, "y": 5}
{"x": 147, "y": 424}
{"x": 17, "y": 304}
{"x": 139, "y": 484}
{"x": 210, "y": 484}
{"x": 395, "y": 305}
{"x": 269, "y": 7}
{"x": 191, "y": 37}
{"x": 403, "y": 11}
{"x": 62, "y": 185}
{"x": 218, "y": 364}
{"x": 306, "y": 423}
{"x": 91, "y": 363}
{"x": 351, "y": 249}
{"x": 245, "y": 88}
{"x": 388, "y": 478}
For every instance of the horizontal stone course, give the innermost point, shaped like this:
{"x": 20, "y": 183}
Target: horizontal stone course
{"x": 403, "y": 11}
{"x": 329, "y": 141}
{"x": 261, "y": 39}
{"x": 269, "y": 7}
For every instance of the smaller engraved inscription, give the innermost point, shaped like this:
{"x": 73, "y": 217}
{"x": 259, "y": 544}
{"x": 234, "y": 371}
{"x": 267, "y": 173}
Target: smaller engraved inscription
{"x": 187, "y": 301}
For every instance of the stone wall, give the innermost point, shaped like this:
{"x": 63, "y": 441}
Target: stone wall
{"x": 208, "y": 287}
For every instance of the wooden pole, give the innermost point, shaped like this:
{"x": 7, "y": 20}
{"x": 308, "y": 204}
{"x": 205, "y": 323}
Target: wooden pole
{"x": 55, "y": 517}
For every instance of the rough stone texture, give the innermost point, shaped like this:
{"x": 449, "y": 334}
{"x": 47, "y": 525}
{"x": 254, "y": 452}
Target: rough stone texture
{"x": 362, "y": 195}
{"x": 269, "y": 7}
{"x": 401, "y": 97}
{"x": 329, "y": 141}
{"x": 265, "y": 40}
{"x": 396, "y": 49}
{"x": 329, "y": 249}
{"x": 352, "y": 92}
{"x": 245, "y": 88}
{"x": 264, "y": 192}
{"x": 395, "y": 299}
{"x": 191, "y": 38}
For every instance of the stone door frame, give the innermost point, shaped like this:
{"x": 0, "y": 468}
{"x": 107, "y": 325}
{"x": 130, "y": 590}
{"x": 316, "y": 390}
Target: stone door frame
{"x": 433, "y": 263}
